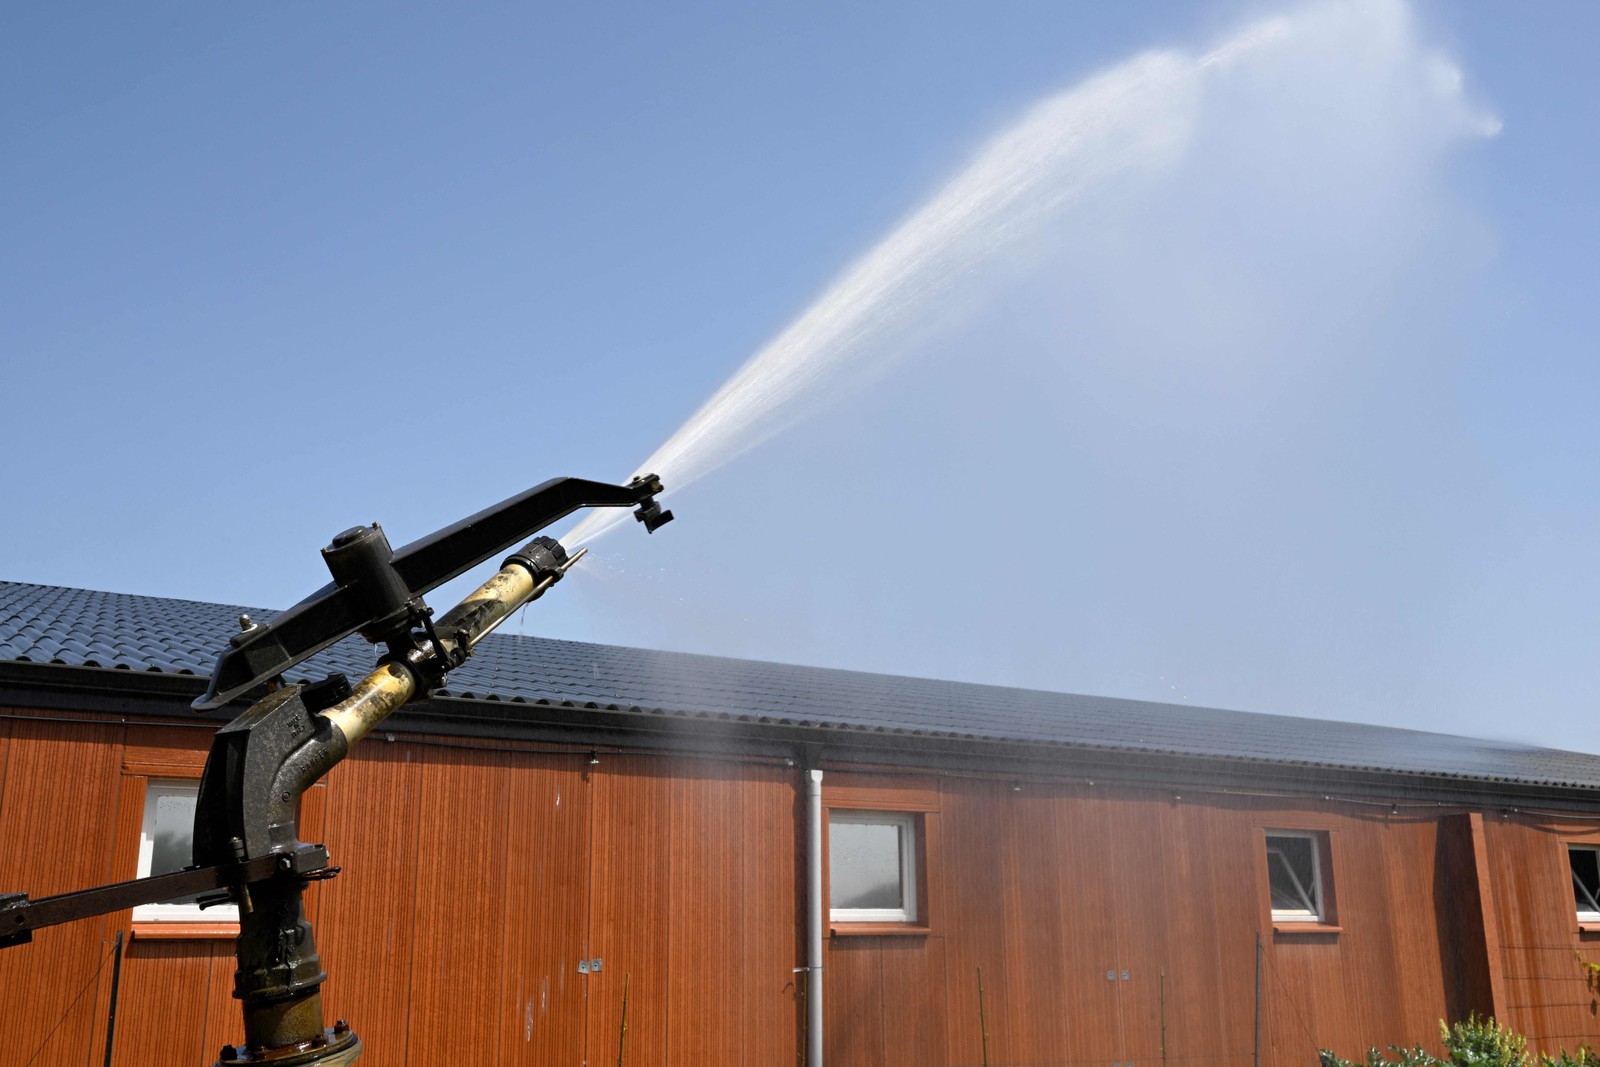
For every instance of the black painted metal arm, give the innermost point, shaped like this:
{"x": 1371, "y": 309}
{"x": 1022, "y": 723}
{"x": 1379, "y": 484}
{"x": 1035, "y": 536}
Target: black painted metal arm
{"x": 373, "y": 584}
{"x": 451, "y": 552}
{"x": 20, "y": 917}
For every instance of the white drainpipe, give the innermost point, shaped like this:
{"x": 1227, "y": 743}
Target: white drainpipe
{"x": 814, "y": 916}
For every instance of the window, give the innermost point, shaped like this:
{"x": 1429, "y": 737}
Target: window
{"x": 166, "y": 844}
{"x": 872, "y": 867}
{"x": 881, "y": 839}
{"x": 1294, "y": 876}
{"x": 1585, "y": 863}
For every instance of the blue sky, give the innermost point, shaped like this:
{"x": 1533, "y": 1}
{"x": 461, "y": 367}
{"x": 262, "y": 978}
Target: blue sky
{"x": 1300, "y": 422}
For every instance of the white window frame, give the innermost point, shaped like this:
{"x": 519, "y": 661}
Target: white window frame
{"x": 154, "y": 789}
{"x": 1318, "y": 898}
{"x": 1584, "y": 916}
{"x": 906, "y": 822}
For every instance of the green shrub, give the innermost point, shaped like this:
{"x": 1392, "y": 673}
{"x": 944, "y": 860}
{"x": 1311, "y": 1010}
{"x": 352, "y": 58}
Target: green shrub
{"x": 1473, "y": 1042}
{"x": 1397, "y": 1057}
{"x": 1584, "y": 1057}
{"x": 1483, "y": 1043}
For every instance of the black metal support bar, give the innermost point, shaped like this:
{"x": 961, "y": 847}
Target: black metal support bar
{"x": 456, "y": 549}
{"x": 19, "y": 916}
{"x": 116, "y": 988}
{"x": 1256, "y": 1060}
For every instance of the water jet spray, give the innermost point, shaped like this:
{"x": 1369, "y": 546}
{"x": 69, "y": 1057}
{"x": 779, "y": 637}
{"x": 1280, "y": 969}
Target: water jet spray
{"x": 1136, "y": 118}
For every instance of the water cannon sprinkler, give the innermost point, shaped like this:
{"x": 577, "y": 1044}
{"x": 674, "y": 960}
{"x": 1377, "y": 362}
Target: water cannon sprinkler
{"x": 246, "y": 841}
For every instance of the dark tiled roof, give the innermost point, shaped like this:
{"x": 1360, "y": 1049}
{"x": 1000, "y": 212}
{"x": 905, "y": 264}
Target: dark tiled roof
{"x": 52, "y": 624}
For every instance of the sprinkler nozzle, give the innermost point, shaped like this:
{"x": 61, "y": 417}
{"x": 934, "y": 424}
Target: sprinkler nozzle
{"x": 650, "y": 512}
{"x": 652, "y": 516}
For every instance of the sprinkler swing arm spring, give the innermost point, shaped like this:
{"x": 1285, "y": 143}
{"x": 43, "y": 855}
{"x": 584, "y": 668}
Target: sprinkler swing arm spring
{"x": 246, "y": 838}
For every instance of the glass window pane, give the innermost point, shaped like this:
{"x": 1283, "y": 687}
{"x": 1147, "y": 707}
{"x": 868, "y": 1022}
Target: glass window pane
{"x": 172, "y": 837}
{"x": 864, "y": 865}
{"x": 1292, "y": 872}
{"x": 1585, "y": 879}
{"x": 166, "y": 844}
{"x": 174, "y": 834}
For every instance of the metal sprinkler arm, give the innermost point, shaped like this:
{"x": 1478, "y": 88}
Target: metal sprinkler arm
{"x": 374, "y": 586}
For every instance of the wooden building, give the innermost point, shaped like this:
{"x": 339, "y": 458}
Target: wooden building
{"x": 1011, "y": 877}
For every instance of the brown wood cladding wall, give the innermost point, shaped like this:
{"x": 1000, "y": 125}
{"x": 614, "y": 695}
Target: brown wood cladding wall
{"x": 475, "y": 881}
{"x": 1118, "y": 925}
{"x": 1548, "y": 993}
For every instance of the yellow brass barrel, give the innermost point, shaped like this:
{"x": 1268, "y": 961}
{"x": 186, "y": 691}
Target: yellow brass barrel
{"x": 495, "y": 600}
{"x": 489, "y": 605}
{"x": 378, "y": 694}
{"x": 390, "y": 686}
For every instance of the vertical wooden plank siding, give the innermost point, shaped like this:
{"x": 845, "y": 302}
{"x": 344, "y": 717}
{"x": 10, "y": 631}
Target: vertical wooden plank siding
{"x": 1415, "y": 914}
{"x": 474, "y": 881}
{"x": 366, "y": 916}
{"x": 546, "y": 917}
{"x": 1038, "y": 946}
{"x": 224, "y": 1019}
{"x": 634, "y": 838}
{"x": 455, "y": 955}
{"x": 1145, "y": 882}
{"x": 1547, "y": 992}
{"x": 973, "y": 923}
{"x": 1136, "y": 869}
{"x": 165, "y": 1003}
{"x": 157, "y": 1034}
{"x": 854, "y": 1004}
{"x": 56, "y": 834}
{"x": 313, "y": 826}
{"x": 1086, "y": 911}
{"x": 1216, "y": 948}
{"x": 771, "y": 814}
{"x": 1469, "y": 938}
{"x": 913, "y": 976}
{"x": 1483, "y": 875}
{"x": 705, "y": 915}
{"x": 124, "y": 865}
